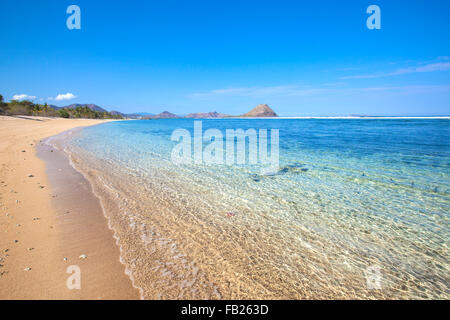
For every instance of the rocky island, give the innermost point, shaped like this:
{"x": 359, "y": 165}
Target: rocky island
{"x": 260, "y": 111}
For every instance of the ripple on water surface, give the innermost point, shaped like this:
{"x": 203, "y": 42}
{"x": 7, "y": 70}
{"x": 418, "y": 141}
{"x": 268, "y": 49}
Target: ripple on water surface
{"x": 351, "y": 196}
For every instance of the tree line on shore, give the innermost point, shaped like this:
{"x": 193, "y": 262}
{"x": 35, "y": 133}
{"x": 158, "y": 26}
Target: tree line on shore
{"x": 29, "y": 108}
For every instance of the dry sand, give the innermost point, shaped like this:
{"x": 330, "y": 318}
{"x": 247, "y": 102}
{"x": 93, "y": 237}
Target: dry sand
{"x": 48, "y": 220}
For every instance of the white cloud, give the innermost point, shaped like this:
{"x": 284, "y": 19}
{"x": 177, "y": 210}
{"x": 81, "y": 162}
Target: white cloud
{"x": 290, "y": 90}
{"x": 321, "y": 90}
{"x": 439, "y": 66}
{"x": 67, "y": 96}
{"x": 411, "y": 89}
{"x": 23, "y": 97}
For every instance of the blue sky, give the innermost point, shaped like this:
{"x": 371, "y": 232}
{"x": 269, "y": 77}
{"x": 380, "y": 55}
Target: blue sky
{"x": 300, "y": 57}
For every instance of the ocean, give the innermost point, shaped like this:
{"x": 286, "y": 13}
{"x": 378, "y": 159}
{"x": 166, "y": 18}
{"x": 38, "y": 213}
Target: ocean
{"x": 357, "y": 209}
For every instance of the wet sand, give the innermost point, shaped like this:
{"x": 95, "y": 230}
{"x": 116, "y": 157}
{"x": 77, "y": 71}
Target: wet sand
{"x": 49, "y": 217}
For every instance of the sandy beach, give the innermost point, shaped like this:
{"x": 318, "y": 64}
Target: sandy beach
{"x": 44, "y": 226}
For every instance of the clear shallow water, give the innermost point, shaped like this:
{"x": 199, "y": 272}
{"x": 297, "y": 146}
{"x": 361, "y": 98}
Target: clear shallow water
{"x": 350, "y": 195}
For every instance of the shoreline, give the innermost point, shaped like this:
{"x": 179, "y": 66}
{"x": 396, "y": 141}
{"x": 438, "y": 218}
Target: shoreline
{"x": 69, "y": 159}
{"x": 45, "y": 227}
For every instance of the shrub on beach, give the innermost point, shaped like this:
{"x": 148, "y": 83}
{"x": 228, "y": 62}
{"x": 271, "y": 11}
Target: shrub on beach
{"x": 28, "y": 108}
{"x": 63, "y": 113}
{"x": 4, "y": 107}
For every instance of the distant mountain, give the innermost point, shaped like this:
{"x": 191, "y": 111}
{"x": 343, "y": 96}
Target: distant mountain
{"x": 142, "y": 114}
{"x": 123, "y": 115}
{"x": 93, "y": 107}
{"x": 262, "y": 110}
{"x": 162, "y": 115}
{"x": 137, "y": 115}
{"x": 213, "y": 114}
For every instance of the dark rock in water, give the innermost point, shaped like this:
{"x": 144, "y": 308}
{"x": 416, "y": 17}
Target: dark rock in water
{"x": 295, "y": 165}
{"x": 283, "y": 170}
{"x": 295, "y": 168}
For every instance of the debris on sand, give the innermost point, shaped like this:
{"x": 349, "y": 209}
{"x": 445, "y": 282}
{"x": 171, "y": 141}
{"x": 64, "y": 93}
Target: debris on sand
{"x": 83, "y": 256}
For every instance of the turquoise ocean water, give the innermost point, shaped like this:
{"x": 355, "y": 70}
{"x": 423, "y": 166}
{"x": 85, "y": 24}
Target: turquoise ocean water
{"x": 358, "y": 209}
